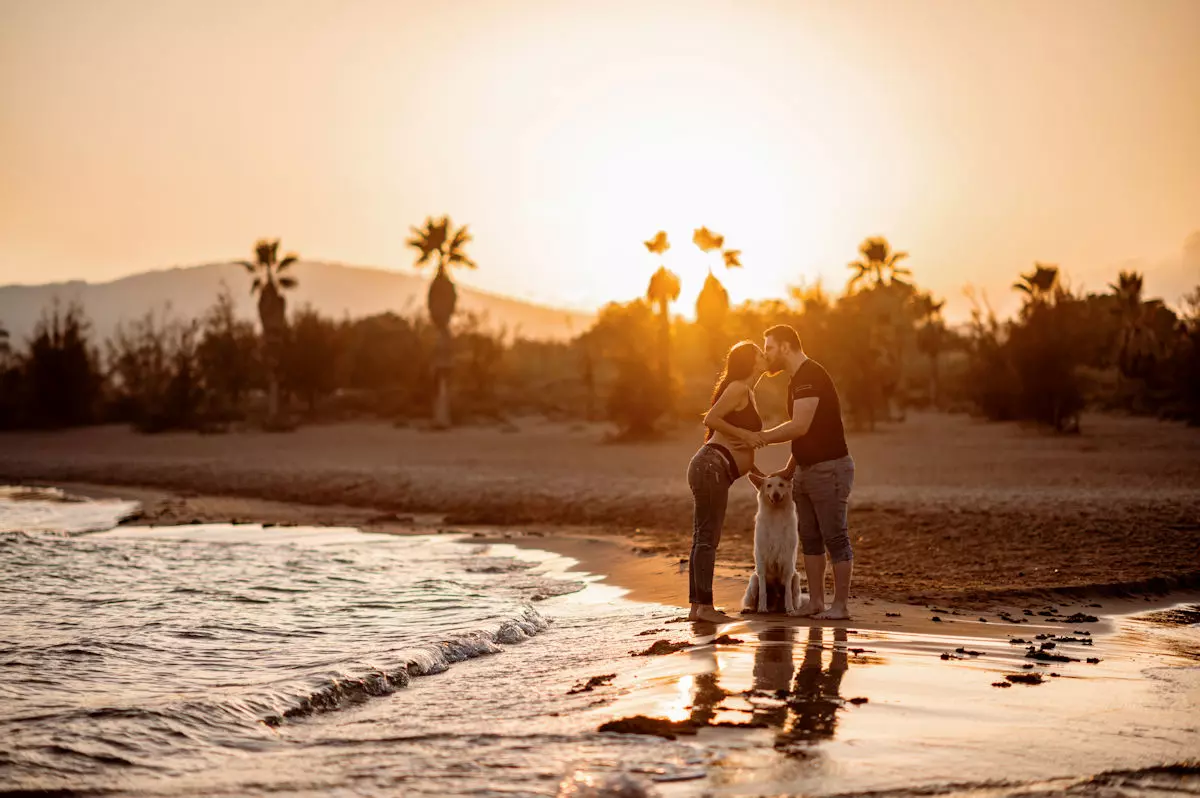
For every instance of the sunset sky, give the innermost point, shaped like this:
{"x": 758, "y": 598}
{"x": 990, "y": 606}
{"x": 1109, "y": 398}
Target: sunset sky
{"x": 979, "y": 136}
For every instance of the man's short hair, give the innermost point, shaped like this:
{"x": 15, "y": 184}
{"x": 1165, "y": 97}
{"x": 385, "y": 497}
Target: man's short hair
{"x": 784, "y": 334}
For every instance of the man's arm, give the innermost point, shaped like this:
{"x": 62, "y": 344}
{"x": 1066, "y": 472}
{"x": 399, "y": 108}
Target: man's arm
{"x": 803, "y": 410}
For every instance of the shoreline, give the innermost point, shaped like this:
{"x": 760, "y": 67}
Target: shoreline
{"x": 647, "y": 571}
{"x": 945, "y": 508}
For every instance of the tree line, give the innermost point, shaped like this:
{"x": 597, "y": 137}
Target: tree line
{"x": 883, "y": 339}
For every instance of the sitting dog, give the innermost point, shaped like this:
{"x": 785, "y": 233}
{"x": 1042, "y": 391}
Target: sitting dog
{"x": 775, "y": 584}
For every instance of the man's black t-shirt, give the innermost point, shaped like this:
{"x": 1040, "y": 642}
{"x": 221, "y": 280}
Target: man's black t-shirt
{"x": 826, "y": 438}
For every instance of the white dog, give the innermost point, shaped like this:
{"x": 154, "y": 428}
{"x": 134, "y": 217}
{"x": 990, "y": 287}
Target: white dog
{"x": 775, "y": 581}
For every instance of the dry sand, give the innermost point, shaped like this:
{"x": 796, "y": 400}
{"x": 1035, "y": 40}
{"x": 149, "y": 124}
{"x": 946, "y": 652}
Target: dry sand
{"x": 946, "y": 508}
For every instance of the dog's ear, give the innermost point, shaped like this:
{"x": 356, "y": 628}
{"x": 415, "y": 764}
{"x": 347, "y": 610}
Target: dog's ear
{"x": 757, "y": 480}
{"x": 784, "y": 473}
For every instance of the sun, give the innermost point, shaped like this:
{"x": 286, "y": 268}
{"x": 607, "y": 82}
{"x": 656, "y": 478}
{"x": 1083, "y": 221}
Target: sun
{"x": 625, "y": 156}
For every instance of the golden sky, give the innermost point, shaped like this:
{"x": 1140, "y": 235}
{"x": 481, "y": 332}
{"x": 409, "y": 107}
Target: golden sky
{"x": 979, "y": 136}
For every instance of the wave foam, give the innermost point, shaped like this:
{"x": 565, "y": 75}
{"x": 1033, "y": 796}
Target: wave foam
{"x": 423, "y": 661}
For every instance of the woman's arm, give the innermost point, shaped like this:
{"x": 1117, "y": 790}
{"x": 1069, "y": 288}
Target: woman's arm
{"x": 729, "y": 399}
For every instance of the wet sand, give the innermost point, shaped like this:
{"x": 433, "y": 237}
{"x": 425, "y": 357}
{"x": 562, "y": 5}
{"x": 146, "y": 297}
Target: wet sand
{"x": 1082, "y": 697}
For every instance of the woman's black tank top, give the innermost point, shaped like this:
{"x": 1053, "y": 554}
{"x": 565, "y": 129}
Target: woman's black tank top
{"x": 746, "y": 418}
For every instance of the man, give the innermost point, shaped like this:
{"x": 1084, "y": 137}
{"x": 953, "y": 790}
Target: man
{"x": 822, "y": 469}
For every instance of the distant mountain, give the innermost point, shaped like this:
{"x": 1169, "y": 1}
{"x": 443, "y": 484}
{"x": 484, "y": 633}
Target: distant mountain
{"x": 332, "y": 289}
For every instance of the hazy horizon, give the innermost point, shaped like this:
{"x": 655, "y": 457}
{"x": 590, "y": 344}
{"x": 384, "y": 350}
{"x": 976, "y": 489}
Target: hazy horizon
{"x": 980, "y": 137}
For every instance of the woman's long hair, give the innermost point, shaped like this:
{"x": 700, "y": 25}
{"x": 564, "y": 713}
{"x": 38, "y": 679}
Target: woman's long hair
{"x": 739, "y": 364}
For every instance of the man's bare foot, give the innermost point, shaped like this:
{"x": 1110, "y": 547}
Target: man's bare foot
{"x": 836, "y": 612}
{"x": 807, "y": 609}
{"x": 710, "y": 614}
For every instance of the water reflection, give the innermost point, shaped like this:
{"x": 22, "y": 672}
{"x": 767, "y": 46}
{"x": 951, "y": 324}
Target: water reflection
{"x": 815, "y": 697}
{"x": 801, "y": 700}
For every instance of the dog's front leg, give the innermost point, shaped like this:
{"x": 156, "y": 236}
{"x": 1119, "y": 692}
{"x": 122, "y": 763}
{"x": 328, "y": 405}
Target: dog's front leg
{"x": 761, "y": 572}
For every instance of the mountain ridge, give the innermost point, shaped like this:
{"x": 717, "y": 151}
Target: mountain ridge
{"x": 333, "y": 289}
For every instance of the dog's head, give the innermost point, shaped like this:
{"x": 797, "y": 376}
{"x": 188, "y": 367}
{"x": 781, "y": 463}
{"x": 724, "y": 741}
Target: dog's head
{"x": 773, "y": 488}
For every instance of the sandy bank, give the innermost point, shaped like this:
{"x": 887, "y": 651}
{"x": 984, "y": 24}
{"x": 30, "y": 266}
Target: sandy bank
{"x": 944, "y": 507}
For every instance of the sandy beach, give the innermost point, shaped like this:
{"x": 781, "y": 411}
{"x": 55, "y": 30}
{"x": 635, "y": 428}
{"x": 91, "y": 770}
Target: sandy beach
{"x": 945, "y": 507}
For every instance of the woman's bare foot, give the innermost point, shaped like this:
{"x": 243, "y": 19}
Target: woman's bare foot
{"x": 709, "y": 613}
{"x": 808, "y": 609}
{"x": 836, "y": 612}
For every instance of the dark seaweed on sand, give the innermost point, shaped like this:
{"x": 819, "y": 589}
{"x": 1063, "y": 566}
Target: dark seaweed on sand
{"x": 1024, "y": 678}
{"x": 659, "y": 648}
{"x": 640, "y": 724}
{"x": 592, "y": 683}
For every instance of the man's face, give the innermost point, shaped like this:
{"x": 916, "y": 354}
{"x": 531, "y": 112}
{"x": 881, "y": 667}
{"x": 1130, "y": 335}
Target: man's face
{"x": 774, "y": 353}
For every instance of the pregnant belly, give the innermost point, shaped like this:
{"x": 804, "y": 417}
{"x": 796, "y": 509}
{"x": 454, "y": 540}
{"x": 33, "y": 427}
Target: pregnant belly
{"x": 743, "y": 457}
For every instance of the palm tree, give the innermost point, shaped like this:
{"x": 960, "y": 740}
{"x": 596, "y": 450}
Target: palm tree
{"x": 1137, "y": 345}
{"x": 931, "y": 337}
{"x": 5, "y": 349}
{"x": 438, "y": 237}
{"x": 878, "y": 264}
{"x": 712, "y": 305}
{"x": 661, "y": 292}
{"x": 1038, "y": 286}
{"x": 270, "y": 281}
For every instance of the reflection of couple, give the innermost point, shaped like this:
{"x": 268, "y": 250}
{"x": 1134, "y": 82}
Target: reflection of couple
{"x": 820, "y": 466}
{"x": 808, "y": 712}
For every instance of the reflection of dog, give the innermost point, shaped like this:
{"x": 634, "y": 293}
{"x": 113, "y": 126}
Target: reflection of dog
{"x": 775, "y": 584}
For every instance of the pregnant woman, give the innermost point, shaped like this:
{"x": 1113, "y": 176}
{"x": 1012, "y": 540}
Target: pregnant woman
{"x": 733, "y": 426}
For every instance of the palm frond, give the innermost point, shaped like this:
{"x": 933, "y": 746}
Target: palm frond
{"x": 287, "y": 262}
{"x": 707, "y": 240}
{"x": 256, "y": 286}
{"x": 659, "y": 244}
{"x": 248, "y": 266}
{"x": 461, "y": 238}
{"x": 287, "y": 282}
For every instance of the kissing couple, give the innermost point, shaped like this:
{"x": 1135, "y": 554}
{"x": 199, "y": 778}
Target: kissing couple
{"x": 820, "y": 469}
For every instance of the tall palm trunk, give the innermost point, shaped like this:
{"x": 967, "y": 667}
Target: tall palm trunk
{"x": 442, "y": 362}
{"x": 272, "y": 310}
{"x": 443, "y": 298}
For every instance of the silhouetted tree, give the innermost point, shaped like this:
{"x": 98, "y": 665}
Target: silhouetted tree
{"x": 156, "y": 374}
{"x": 270, "y": 281}
{"x": 228, "y": 357}
{"x": 663, "y": 289}
{"x": 312, "y": 353}
{"x": 637, "y": 399}
{"x": 482, "y": 356}
{"x": 878, "y": 264}
{"x": 932, "y": 339}
{"x": 712, "y": 305}
{"x": 1137, "y": 344}
{"x": 10, "y": 384}
{"x": 388, "y": 358}
{"x": 1039, "y": 285}
{"x": 60, "y": 373}
{"x": 440, "y": 238}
